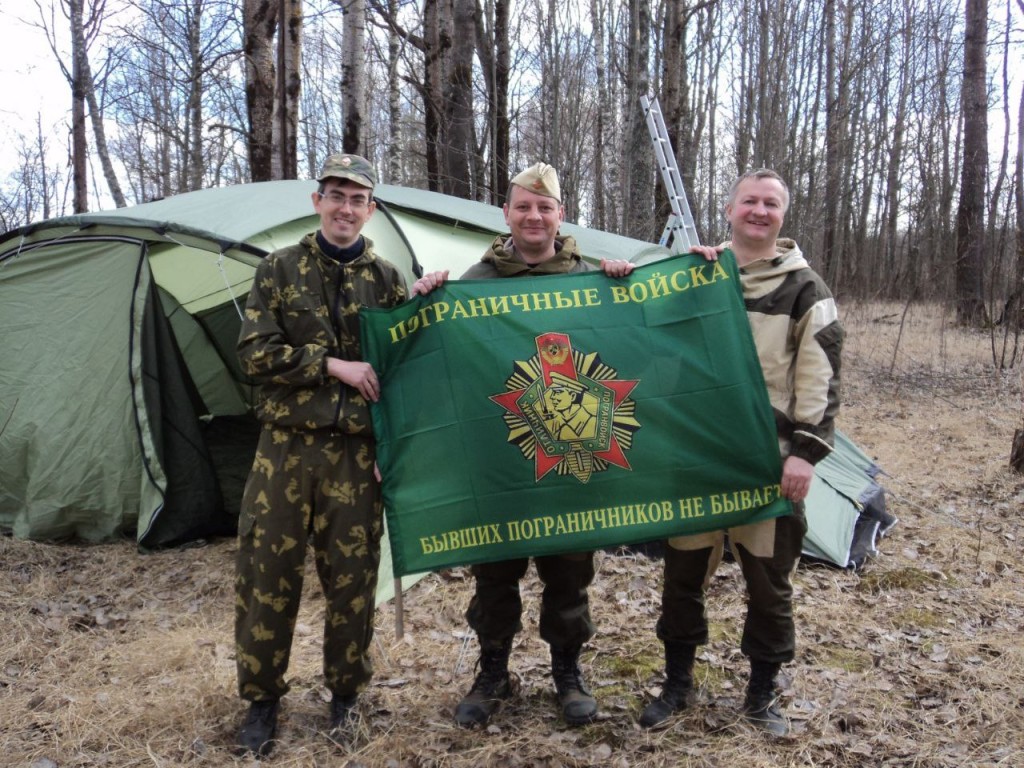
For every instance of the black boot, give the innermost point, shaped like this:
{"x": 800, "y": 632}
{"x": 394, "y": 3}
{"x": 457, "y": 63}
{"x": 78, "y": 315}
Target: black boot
{"x": 343, "y": 714}
{"x": 677, "y": 690}
{"x": 577, "y": 705}
{"x": 492, "y": 684}
{"x": 761, "y": 705}
{"x": 257, "y": 732}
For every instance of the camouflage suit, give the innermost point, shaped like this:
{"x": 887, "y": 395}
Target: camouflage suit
{"x": 312, "y": 479}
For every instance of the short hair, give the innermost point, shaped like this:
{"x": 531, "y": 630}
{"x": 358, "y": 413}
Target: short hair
{"x": 760, "y": 173}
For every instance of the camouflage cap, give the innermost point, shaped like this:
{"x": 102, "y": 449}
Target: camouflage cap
{"x": 351, "y": 167}
{"x": 541, "y": 179}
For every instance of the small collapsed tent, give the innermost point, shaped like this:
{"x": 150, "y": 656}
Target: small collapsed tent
{"x": 122, "y": 405}
{"x": 845, "y": 507}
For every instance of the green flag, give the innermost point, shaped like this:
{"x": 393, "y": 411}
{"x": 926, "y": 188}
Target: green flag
{"x": 532, "y": 416}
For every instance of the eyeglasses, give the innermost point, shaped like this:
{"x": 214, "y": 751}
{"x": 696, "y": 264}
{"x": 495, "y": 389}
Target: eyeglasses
{"x": 356, "y": 203}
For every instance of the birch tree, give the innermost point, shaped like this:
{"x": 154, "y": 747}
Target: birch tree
{"x": 353, "y": 76}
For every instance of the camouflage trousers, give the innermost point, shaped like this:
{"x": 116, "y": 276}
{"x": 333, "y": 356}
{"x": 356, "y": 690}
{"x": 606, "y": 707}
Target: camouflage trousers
{"x": 768, "y": 553}
{"x": 307, "y": 489}
{"x": 495, "y": 612}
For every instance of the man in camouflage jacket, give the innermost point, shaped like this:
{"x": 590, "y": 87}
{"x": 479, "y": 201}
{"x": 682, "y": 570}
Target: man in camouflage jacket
{"x": 312, "y": 481}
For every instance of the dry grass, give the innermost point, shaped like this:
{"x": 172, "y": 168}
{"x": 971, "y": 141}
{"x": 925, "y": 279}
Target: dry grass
{"x": 111, "y": 658}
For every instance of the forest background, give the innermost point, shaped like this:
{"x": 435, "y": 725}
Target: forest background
{"x": 896, "y": 125}
{"x": 894, "y": 121}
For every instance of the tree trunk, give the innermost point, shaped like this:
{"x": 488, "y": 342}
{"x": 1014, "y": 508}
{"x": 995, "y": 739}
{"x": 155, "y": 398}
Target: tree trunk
{"x": 597, "y": 21}
{"x": 195, "y": 168}
{"x": 434, "y": 55}
{"x": 353, "y": 77}
{"x": 638, "y": 211}
{"x": 79, "y": 144}
{"x": 1017, "y": 452}
{"x": 495, "y": 63}
{"x": 458, "y": 102}
{"x": 259, "y": 26}
{"x": 835, "y": 137}
{"x": 395, "y": 175}
{"x": 81, "y": 53}
{"x": 1016, "y": 312}
{"x": 284, "y": 163}
{"x": 970, "y": 217}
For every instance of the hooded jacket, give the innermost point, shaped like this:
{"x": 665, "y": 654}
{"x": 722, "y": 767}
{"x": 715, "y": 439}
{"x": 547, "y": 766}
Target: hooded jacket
{"x": 302, "y": 309}
{"x": 501, "y": 260}
{"x": 796, "y": 330}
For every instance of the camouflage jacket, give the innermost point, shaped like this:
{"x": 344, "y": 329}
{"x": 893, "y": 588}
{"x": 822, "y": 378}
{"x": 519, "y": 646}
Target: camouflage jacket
{"x": 799, "y": 342}
{"x": 302, "y": 309}
{"x": 501, "y": 260}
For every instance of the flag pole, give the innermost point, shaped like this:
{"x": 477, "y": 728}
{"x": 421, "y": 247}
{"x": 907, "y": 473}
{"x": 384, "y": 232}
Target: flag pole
{"x": 399, "y": 610}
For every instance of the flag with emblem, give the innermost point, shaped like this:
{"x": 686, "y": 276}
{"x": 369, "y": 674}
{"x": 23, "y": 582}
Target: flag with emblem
{"x": 532, "y": 416}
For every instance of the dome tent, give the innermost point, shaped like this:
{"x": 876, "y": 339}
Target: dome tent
{"x": 122, "y": 405}
{"x": 120, "y": 377}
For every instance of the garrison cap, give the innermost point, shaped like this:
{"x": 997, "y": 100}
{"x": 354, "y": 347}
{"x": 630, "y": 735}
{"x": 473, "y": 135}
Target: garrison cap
{"x": 351, "y": 167}
{"x": 541, "y": 179}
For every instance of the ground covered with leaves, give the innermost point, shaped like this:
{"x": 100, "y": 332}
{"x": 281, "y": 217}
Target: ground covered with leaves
{"x": 114, "y": 658}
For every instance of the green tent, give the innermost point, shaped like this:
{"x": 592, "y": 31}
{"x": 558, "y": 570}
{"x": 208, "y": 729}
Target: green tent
{"x": 122, "y": 406}
{"x": 846, "y": 511}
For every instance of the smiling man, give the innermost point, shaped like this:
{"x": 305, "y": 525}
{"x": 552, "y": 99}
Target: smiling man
{"x": 798, "y": 338}
{"x": 533, "y": 247}
{"x": 312, "y": 482}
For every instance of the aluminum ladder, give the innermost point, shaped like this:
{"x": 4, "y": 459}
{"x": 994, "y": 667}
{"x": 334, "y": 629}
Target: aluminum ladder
{"x": 680, "y": 233}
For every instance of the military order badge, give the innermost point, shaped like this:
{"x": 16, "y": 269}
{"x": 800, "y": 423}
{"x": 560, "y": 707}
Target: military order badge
{"x": 566, "y": 410}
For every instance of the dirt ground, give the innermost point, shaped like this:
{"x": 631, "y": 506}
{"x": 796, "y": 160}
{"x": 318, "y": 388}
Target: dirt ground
{"x": 113, "y": 658}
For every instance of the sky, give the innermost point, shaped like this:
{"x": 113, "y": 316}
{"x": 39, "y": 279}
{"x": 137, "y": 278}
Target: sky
{"x": 32, "y": 83}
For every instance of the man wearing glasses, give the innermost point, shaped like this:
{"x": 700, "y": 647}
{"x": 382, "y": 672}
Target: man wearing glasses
{"x": 312, "y": 481}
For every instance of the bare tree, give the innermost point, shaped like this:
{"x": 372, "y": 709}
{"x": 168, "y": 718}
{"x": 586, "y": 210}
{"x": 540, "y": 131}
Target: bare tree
{"x": 259, "y": 23}
{"x": 289, "y": 83}
{"x": 686, "y": 113}
{"x": 32, "y": 191}
{"x": 970, "y": 218}
{"x": 86, "y": 20}
{"x": 353, "y": 76}
{"x": 638, "y": 210}
{"x": 492, "y": 46}
{"x": 176, "y": 97}
{"x": 394, "y": 98}
{"x": 457, "y": 111}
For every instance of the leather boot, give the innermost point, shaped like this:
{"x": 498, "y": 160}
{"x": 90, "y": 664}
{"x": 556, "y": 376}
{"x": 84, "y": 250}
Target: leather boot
{"x": 760, "y": 708}
{"x": 578, "y": 707}
{"x": 257, "y": 732}
{"x": 344, "y": 715}
{"x": 677, "y": 690}
{"x": 492, "y": 684}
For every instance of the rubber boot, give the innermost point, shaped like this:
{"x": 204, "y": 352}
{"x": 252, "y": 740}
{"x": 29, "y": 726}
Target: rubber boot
{"x": 578, "y": 707}
{"x": 492, "y": 684}
{"x": 257, "y": 732}
{"x": 760, "y": 708}
{"x": 677, "y": 690}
